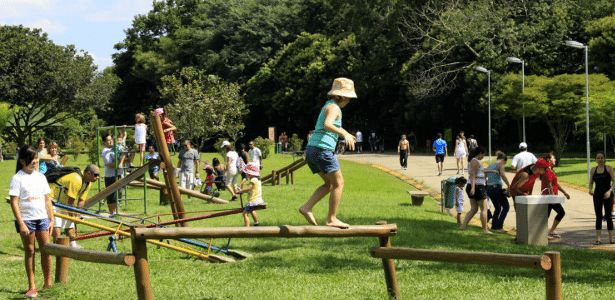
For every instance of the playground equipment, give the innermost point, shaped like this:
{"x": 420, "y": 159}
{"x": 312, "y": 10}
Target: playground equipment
{"x": 63, "y": 252}
{"x": 185, "y": 191}
{"x": 550, "y": 262}
{"x": 139, "y": 236}
{"x": 274, "y": 177}
{"x": 116, "y": 168}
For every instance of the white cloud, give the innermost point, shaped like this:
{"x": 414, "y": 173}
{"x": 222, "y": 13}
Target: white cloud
{"x": 122, "y": 11}
{"x": 47, "y": 26}
{"x": 21, "y": 8}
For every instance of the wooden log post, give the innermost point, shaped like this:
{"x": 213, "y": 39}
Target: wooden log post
{"x": 101, "y": 257}
{"x": 273, "y": 177}
{"x": 176, "y": 198}
{"x": 553, "y": 276}
{"x": 62, "y": 262}
{"x": 390, "y": 275}
{"x": 292, "y": 177}
{"x": 141, "y": 267}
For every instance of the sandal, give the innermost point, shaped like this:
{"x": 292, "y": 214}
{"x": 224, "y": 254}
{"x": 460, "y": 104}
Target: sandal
{"x": 598, "y": 243}
{"x": 555, "y": 235}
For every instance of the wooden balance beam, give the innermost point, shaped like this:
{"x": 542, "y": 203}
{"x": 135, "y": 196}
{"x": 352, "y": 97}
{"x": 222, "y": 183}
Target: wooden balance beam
{"x": 286, "y": 231}
{"x": 550, "y": 262}
{"x": 140, "y": 235}
{"x": 63, "y": 252}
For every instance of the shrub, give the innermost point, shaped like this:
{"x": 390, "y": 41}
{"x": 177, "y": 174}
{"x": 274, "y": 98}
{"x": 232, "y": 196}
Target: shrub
{"x": 295, "y": 143}
{"x": 263, "y": 144}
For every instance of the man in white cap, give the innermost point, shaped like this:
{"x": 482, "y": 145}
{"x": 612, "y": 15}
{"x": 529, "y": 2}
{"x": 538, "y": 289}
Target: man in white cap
{"x": 523, "y": 158}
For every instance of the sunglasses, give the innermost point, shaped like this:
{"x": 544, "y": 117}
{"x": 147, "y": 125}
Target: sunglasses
{"x": 96, "y": 174}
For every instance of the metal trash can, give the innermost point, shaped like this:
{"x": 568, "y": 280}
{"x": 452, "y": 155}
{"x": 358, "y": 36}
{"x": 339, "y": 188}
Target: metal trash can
{"x": 278, "y": 148}
{"x": 448, "y": 192}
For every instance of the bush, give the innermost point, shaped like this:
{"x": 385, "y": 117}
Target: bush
{"x": 93, "y": 151}
{"x": 264, "y": 145}
{"x": 76, "y": 146}
{"x": 295, "y": 143}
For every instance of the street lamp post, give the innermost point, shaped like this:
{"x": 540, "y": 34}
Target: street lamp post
{"x": 519, "y": 61}
{"x": 481, "y": 69}
{"x": 582, "y": 46}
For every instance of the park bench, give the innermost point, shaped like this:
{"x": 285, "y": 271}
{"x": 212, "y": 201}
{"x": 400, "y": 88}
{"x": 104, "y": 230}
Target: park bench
{"x": 417, "y": 197}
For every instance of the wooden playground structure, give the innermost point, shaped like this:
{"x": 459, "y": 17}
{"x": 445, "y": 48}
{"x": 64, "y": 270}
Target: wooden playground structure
{"x": 288, "y": 172}
{"x": 140, "y": 235}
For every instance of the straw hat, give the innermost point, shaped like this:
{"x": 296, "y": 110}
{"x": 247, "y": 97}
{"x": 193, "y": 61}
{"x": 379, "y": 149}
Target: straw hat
{"x": 252, "y": 169}
{"x": 343, "y": 87}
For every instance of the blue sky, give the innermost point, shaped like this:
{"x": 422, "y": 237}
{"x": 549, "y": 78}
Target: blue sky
{"x": 93, "y": 26}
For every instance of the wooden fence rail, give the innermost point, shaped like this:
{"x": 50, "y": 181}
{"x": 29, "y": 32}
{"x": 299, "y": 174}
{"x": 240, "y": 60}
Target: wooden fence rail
{"x": 139, "y": 248}
{"x": 549, "y": 262}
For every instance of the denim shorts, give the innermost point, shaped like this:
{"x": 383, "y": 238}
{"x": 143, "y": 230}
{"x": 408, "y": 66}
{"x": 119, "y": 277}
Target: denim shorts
{"x": 321, "y": 161}
{"x": 35, "y": 225}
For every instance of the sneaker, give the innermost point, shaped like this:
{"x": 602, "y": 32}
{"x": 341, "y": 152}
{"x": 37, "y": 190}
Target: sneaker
{"x": 112, "y": 215}
{"x": 32, "y": 293}
{"x": 457, "y": 172}
{"x": 257, "y": 224}
{"x": 234, "y": 198}
{"x": 75, "y": 245}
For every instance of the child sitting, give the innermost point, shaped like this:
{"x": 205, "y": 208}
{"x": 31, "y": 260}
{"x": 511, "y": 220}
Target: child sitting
{"x": 255, "y": 193}
{"x": 460, "y": 182}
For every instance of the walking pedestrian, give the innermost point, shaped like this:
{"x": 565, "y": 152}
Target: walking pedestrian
{"x": 439, "y": 147}
{"x": 604, "y": 177}
{"x": 403, "y": 150}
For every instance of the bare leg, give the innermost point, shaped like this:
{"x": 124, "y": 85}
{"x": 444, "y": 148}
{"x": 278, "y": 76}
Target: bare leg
{"x": 337, "y": 186}
{"x": 470, "y": 214}
{"x": 458, "y": 162}
{"x": 319, "y": 193}
{"x": 611, "y": 236}
{"x": 246, "y": 220}
{"x": 231, "y": 189}
{"x": 483, "y": 215}
{"x": 253, "y": 213}
{"x": 598, "y": 233}
{"x": 458, "y": 218}
{"x": 43, "y": 238}
{"x": 112, "y": 207}
{"x": 28, "y": 245}
{"x": 555, "y": 223}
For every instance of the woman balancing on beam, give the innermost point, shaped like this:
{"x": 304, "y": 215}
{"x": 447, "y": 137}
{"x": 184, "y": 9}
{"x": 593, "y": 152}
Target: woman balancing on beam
{"x": 320, "y": 152}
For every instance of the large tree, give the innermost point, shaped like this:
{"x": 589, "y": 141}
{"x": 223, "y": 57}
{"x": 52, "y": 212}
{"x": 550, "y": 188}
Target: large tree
{"x": 203, "y": 106}
{"x": 49, "y": 83}
{"x": 558, "y": 101}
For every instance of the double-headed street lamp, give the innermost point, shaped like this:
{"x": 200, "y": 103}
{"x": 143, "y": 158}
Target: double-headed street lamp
{"x": 519, "y": 61}
{"x": 481, "y": 69}
{"x": 582, "y": 46}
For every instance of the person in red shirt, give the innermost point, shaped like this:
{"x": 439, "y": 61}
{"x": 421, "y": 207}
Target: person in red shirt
{"x": 549, "y": 186}
{"x": 523, "y": 183}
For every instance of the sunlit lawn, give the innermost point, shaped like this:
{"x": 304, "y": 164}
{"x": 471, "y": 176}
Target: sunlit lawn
{"x": 316, "y": 268}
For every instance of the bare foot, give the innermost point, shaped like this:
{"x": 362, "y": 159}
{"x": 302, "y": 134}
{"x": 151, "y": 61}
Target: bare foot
{"x": 338, "y": 224}
{"x": 308, "y": 216}
{"x": 463, "y": 228}
{"x": 487, "y": 232}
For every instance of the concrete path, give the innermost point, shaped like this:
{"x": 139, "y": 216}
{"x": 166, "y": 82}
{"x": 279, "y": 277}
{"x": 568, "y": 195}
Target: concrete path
{"x": 577, "y": 228}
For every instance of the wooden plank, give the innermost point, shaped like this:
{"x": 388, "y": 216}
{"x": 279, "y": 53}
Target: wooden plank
{"x": 541, "y": 262}
{"x": 192, "y": 193}
{"x": 119, "y": 184}
{"x": 266, "y": 231}
{"x": 102, "y": 257}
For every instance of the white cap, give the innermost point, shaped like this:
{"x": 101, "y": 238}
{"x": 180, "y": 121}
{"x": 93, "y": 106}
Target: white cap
{"x": 523, "y": 146}
{"x": 225, "y": 143}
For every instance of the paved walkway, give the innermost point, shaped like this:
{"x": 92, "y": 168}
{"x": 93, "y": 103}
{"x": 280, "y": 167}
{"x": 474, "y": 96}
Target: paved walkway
{"x": 577, "y": 228}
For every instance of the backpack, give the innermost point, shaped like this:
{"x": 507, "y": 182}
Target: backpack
{"x": 56, "y": 173}
{"x": 240, "y": 164}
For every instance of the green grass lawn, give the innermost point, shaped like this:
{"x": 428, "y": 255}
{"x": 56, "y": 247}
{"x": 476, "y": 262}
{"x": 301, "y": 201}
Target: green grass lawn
{"x": 314, "y": 268}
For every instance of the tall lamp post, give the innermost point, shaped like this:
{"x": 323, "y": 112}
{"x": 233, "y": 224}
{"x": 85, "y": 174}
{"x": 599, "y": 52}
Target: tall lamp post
{"x": 519, "y": 61}
{"x": 582, "y": 46}
{"x": 481, "y": 69}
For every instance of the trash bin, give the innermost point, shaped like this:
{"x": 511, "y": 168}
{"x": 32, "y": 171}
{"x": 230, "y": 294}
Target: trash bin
{"x": 278, "y": 148}
{"x": 448, "y": 193}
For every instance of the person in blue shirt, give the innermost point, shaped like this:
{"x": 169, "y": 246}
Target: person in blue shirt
{"x": 320, "y": 153}
{"x": 439, "y": 146}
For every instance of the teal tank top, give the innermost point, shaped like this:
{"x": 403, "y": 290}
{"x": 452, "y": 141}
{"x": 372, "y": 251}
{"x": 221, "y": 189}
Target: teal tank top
{"x": 322, "y": 138}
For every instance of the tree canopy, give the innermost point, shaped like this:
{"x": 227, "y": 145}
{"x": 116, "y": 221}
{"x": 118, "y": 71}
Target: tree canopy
{"x": 49, "y": 83}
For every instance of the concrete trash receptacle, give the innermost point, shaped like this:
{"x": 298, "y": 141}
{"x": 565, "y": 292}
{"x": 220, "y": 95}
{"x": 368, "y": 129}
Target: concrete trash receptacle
{"x": 532, "y": 219}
